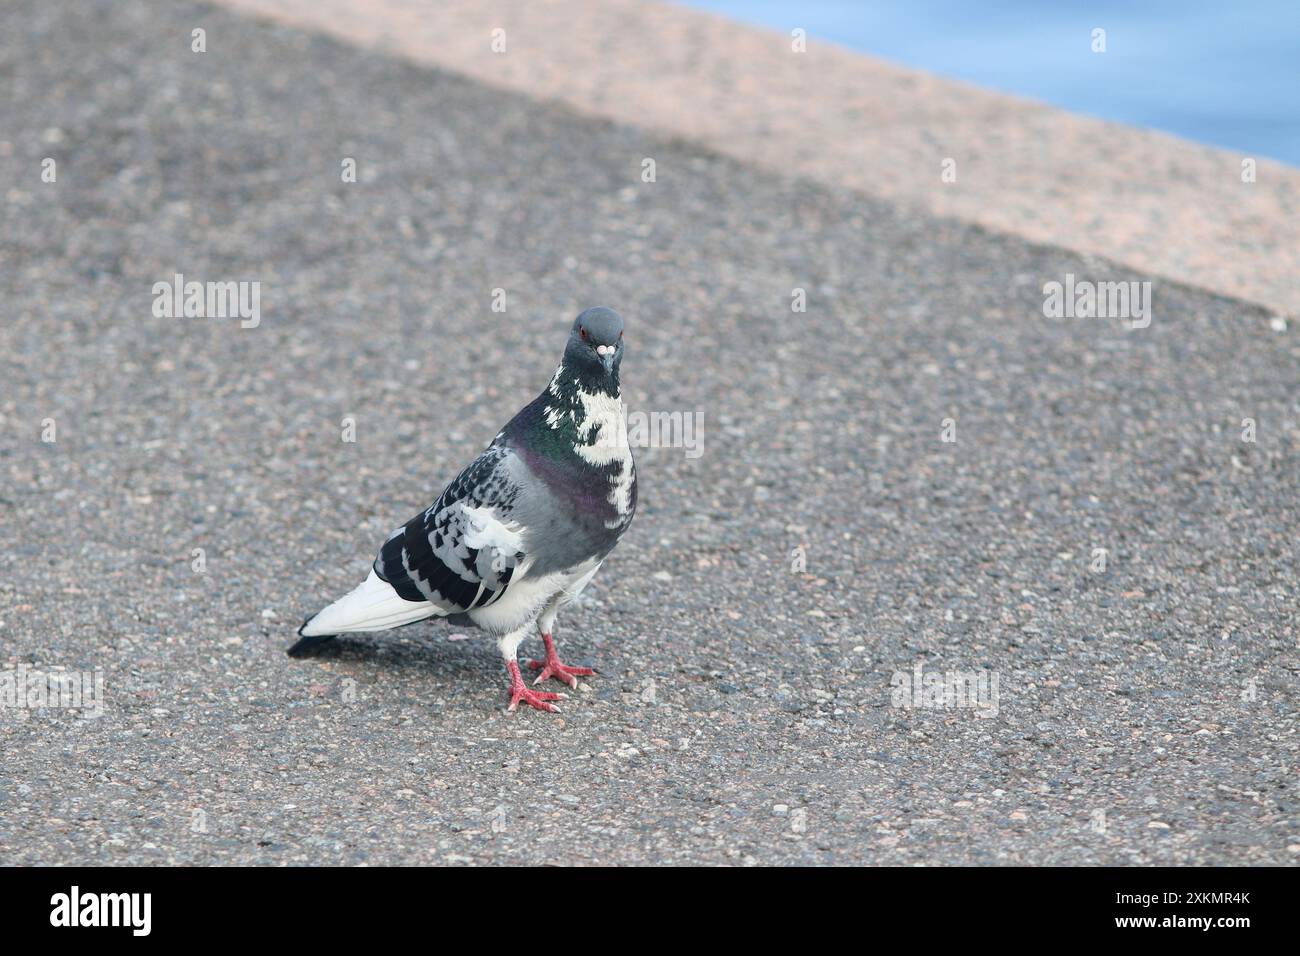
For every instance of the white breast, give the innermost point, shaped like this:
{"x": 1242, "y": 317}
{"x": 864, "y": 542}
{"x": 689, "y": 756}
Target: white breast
{"x": 526, "y": 596}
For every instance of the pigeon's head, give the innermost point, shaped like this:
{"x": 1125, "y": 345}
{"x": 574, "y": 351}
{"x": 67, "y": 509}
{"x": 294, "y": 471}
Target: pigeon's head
{"x": 596, "y": 343}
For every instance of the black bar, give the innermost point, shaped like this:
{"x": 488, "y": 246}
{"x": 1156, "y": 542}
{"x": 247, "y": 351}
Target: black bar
{"x": 333, "y": 906}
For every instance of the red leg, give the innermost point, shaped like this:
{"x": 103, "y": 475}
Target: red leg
{"x": 554, "y": 667}
{"x": 534, "y": 698}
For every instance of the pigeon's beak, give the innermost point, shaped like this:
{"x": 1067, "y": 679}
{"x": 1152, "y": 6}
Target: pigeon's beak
{"x": 607, "y": 353}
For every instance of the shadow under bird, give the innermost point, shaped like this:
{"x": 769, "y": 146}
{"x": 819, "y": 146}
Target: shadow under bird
{"x": 521, "y": 531}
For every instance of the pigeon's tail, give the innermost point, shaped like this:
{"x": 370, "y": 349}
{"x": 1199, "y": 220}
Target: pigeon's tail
{"x": 374, "y": 606}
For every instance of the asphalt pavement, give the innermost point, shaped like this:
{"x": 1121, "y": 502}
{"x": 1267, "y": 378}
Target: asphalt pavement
{"x": 1099, "y": 543}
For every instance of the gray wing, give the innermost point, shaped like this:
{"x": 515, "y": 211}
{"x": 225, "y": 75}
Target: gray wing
{"x": 463, "y": 552}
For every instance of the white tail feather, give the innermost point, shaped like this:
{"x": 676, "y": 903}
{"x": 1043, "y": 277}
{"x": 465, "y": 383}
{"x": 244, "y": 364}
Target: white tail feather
{"x": 373, "y": 606}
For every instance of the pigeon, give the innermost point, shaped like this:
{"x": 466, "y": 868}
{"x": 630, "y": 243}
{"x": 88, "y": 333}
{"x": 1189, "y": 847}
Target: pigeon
{"x": 522, "y": 530}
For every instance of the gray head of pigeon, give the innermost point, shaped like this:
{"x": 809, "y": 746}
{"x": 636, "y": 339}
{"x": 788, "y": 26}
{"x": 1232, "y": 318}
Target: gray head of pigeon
{"x": 595, "y": 347}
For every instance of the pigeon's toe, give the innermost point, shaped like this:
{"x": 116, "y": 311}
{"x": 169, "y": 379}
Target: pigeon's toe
{"x": 519, "y": 692}
{"x": 554, "y": 667}
{"x": 534, "y": 698}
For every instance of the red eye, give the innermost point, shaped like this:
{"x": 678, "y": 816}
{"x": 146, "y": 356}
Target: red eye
{"x": 582, "y": 332}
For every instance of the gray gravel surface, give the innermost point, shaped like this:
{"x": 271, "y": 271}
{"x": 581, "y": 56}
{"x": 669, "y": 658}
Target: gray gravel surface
{"x": 743, "y": 714}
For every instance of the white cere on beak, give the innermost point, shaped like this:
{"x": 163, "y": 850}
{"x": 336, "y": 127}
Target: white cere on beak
{"x": 605, "y": 350}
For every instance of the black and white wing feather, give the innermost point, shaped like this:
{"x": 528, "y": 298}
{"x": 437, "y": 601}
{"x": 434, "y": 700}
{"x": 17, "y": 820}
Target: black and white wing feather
{"x": 459, "y": 555}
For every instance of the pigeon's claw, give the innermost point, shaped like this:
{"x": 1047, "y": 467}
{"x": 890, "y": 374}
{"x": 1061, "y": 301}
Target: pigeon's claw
{"x": 533, "y": 698}
{"x": 554, "y": 667}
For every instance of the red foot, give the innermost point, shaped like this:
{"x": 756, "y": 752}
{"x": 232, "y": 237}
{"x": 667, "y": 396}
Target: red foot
{"x": 534, "y": 698}
{"x": 553, "y": 667}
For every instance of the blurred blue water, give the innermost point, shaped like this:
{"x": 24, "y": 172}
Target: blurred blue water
{"x": 1226, "y": 73}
